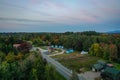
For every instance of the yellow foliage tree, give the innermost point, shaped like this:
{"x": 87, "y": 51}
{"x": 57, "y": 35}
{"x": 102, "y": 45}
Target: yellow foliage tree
{"x": 10, "y": 57}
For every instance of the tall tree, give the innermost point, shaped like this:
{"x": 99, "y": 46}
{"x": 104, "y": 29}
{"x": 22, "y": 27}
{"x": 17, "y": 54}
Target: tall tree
{"x": 95, "y": 50}
{"x": 50, "y": 73}
{"x": 105, "y": 51}
{"x": 74, "y": 76}
{"x": 113, "y": 52}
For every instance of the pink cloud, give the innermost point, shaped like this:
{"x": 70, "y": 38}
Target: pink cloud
{"x": 82, "y": 16}
{"x": 112, "y": 11}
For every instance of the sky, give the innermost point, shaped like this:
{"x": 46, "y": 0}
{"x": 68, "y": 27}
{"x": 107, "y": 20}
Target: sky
{"x": 59, "y": 15}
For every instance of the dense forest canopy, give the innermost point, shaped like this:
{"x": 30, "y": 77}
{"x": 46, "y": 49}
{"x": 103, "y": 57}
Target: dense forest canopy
{"x": 77, "y": 40}
{"x": 102, "y": 45}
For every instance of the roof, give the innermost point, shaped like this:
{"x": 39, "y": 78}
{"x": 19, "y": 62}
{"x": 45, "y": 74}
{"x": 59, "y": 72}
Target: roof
{"x": 16, "y": 45}
{"x": 83, "y": 52}
{"x": 110, "y": 65}
{"x": 112, "y": 70}
{"x": 69, "y": 51}
{"x": 98, "y": 66}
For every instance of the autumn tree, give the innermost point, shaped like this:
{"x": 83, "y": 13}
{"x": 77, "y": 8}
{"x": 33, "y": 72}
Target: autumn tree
{"x": 113, "y": 52}
{"x": 25, "y": 47}
{"x": 95, "y": 50}
{"x": 105, "y": 51}
{"x": 10, "y": 57}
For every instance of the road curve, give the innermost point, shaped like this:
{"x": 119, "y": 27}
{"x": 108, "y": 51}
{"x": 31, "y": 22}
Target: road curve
{"x": 60, "y": 68}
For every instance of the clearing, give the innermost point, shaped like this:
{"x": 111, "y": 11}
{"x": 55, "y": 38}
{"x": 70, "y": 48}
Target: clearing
{"x": 77, "y": 62}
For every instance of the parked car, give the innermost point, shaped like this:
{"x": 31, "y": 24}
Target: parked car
{"x": 110, "y": 74}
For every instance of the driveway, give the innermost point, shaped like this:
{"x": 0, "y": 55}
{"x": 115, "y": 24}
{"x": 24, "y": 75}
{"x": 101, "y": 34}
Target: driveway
{"x": 58, "y": 53}
{"x": 90, "y": 75}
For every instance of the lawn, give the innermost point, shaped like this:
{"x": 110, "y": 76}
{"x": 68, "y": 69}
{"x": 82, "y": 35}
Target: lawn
{"x": 76, "y": 61}
{"x": 44, "y": 47}
{"x": 56, "y": 50}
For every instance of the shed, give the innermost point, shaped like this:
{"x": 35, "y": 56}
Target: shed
{"x": 83, "y": 52}
{"x": 69, "y": 51}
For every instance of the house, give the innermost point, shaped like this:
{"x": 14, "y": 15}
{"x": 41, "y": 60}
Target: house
{"x": 52, "y": 46}
{"x": 60, "y": 47}
{"x": 69, "y": 51}
{"x": 56, "y": 46}
{"x": 111, "y": 73}
{"x": 100, "y": 65}
{"x": 83, "y": 52}
{"x": 16, "y": 45}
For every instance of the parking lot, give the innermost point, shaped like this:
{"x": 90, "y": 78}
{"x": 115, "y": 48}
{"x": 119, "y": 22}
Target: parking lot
{"x": 90, "y": 75}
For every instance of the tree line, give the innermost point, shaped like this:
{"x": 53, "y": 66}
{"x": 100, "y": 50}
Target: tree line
{"x": 87, "y": 41}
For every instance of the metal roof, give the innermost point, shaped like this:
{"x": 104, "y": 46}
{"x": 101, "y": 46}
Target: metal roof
{"x": 112, "y": 70}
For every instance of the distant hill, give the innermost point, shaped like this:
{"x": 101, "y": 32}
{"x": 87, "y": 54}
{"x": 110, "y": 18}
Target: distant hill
{"x": 114, "y": 32}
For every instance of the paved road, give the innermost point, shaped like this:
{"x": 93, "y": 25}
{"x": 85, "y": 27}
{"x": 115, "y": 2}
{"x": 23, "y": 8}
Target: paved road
{"x": 57, "y": 53}
{"x": 60, "y": 68}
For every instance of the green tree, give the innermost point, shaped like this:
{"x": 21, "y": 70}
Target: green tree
{"x": 5, "y": 71}
{"x": 50, "y": 73}
{"x": 15, "y": 71}
{"x": 95, "y": 50}
{"x": 38, "y": 42}
{"x": 38, "y": 70}
{"x": 34, "y": 74}
{"x": 2, "y": 56}
{"x": 74, "y": 76}
{"x": 10, "y": 57}
{"x": 78, "y": 45}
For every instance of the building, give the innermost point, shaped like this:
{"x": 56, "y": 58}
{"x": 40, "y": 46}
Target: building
{"x": 16, "y": 45}
{"x": 83, "y": 52}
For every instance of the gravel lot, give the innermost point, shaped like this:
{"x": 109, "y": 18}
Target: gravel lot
{"x": 90, "y": 75}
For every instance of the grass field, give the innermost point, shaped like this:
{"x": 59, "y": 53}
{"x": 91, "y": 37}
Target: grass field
{"x": 76, "y": 61}
{"x": 56, "y": 50}
{"x": 44, "y": 47}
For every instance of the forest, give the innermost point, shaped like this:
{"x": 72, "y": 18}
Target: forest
{"x": 22, "y": 63}
{"x": 26, "y": 65}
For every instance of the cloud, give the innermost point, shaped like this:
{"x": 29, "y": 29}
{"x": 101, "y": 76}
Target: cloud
{"x": 53, "y": 10}
{"x": 56, "y": 12}
{"x": 24, "y": 8}
{"x": 21, "y": 20}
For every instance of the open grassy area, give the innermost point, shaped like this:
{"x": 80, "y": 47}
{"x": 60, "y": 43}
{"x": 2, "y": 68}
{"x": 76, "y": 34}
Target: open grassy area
{"x": 77, "y": 62}
{"x": 56, "y": 50}
{"x": 44, "y": 47}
